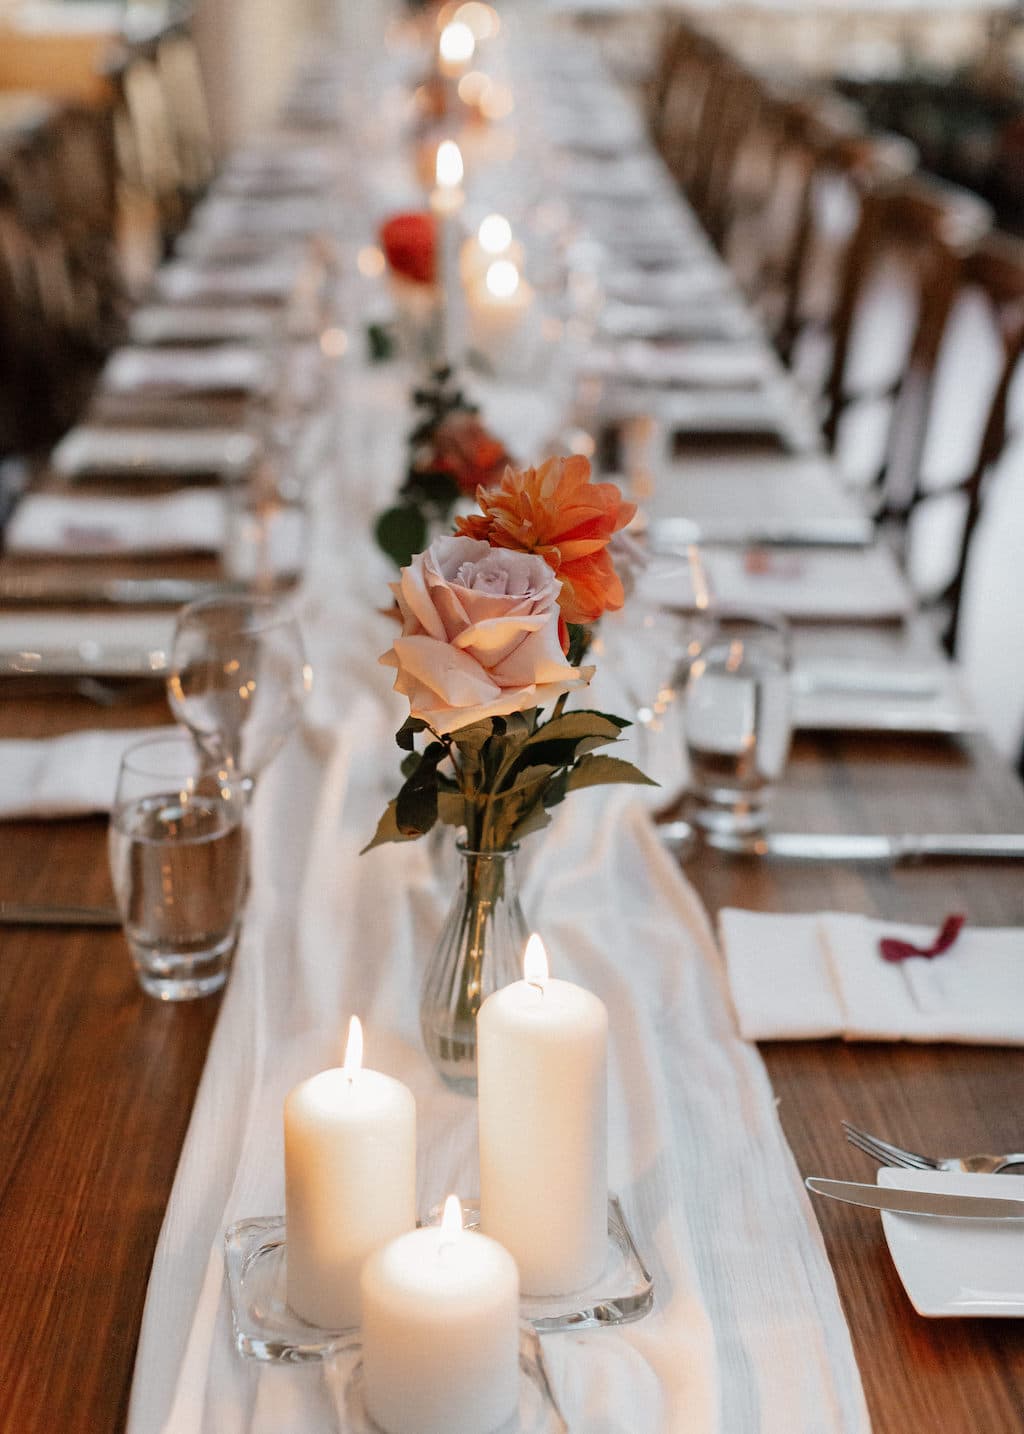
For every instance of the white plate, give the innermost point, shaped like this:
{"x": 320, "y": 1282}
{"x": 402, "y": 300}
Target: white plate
{"x": 957, "y": 1267}
{"x": 136, "y": 452}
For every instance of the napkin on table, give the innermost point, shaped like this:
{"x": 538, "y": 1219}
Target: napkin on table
{"x": 798, "y": 977}
{"x": 187, "y": 521}
{"x": 67, "y": 776}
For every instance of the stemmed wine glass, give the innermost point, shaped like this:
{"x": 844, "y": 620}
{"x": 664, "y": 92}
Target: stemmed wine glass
{"x": 238, "y": 678}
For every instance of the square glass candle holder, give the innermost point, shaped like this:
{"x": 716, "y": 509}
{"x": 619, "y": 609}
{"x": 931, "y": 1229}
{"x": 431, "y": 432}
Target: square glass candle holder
{"x": 265, "y": 1325}
{"x": 267, "y": 1329}
{"x": 624, "y": 1292}
{"x": 537, "y": 1411}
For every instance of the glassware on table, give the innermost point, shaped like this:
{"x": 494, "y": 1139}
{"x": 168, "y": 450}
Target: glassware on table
{"x": 177, "y": 858}
{"x": 736, "y": 720}
{"x": 480, "y": 949}
{"x": 238, "y": 678}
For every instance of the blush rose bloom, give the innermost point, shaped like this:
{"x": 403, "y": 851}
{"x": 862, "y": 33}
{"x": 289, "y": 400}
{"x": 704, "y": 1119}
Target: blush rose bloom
{"x": 479, "y": 634}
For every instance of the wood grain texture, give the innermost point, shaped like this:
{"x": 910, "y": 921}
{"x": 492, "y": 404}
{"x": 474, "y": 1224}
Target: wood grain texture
{"x": 956, "y": 1376}
{"x": 96, "y": 1083}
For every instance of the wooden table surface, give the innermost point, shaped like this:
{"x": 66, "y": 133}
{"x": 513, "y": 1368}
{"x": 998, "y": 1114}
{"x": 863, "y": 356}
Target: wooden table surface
{"x": 97, "y": 1083}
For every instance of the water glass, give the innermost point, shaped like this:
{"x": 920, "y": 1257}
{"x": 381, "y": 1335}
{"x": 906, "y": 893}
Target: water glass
{"x": 736, "y": 720}
{"x": 177, "y": 857}
{"x": 238, "y": 678}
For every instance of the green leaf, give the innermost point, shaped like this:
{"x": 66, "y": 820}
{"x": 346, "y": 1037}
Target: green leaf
{"x": 416, "y": 803}
{"x": 409, "y": 763}
{"x": 387, "y": 829}
{"x": 535, "y": 820}
{"x": 473, "y": 737}
{"x": 438, "y": 489}
{"x": 598, "y": 771}
{"x": 620, "y": 722}
{"x": 528, "y": 777}
{"x": 580, "y": 638}
{"x": 401, "y": 532}
{"x": 556, "y": 790}
{"x": 380, "y": 342}
{"x": 407, "y": 732}
{"x": 579, "y": 724}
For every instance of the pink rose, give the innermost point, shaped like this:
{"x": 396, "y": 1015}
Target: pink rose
{"x": 479, "y": 634}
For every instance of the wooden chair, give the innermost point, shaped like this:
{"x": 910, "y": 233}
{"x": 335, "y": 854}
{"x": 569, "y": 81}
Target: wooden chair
{"x": 929, "y": 229}
{"x": 177, "y": 68}
{"x": 995, "y": 271}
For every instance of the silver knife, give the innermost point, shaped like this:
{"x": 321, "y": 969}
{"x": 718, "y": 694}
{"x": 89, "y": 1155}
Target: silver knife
{"x": 839, "y": 846}
{"x": 16, "y": 913}
{"x": 917, "y": 1202}
{"x": 70, "y": 590}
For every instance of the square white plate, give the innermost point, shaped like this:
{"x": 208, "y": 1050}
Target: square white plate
{"x": 969, "y": 1268}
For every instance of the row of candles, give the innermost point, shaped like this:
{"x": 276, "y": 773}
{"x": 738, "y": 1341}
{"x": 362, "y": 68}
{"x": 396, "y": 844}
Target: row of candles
{"x": 501, "y": 323}
{"x": 439, "y": 1307}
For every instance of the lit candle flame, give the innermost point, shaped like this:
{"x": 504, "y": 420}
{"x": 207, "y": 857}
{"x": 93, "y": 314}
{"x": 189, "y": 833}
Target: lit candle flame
{"x": 482, "y": 19}
{"x": 457, "y": 43}
{"x": 535, "y": 963}
{"x": 494, "y": 234}
{"x": 354, "y": 1048}
{"x": 449, "y": 169}
{"x": 451, "y": 1219}
{"x": 502, "y": 278}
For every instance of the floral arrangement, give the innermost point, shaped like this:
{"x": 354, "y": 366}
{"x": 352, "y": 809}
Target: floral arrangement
{"x": 451, "y": 455}
{"x": 409, "y": 242}
{"x": 495, "y": 622}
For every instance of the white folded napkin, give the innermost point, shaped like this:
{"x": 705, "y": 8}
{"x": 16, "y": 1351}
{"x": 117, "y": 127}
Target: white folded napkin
{"x": 798, "y": 977}
{"x": 860, "y": 584}
{"x": 269, "y": 281}
{"x": 136, "y": 452}
{"x": 221, "y": 368}
{"x": 66, "y": 776}
{"x": 189, "y": 521}
{"x": 177, "y": 324}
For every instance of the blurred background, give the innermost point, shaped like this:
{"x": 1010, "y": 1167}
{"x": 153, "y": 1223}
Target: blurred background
{"x": 860, "y": 166}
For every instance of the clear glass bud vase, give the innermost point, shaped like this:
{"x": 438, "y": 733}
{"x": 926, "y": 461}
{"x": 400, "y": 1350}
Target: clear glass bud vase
{"x": 480, "y": 949}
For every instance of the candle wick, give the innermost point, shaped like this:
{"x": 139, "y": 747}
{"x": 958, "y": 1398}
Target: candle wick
{"x": 537, "y": 986}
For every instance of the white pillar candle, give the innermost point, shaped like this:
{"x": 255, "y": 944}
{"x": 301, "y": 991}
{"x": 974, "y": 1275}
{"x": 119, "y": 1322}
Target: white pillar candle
{"x": 350, "y": 1182}
{"x": 441, "y": 1331}
{"x": 543, "y": 1098}
{"x": 503, "y": 319}
{"x": 446, "y": 203}
{"x": 492, "y": 240}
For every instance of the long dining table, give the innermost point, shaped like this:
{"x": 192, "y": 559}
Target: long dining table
{"x": 99, "y": 1082}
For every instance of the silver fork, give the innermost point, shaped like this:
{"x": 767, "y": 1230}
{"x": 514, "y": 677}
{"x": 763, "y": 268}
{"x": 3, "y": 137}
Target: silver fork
{"x": 887, "y": 1154}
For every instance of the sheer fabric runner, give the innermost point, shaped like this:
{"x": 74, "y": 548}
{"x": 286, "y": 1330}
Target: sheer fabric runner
{"x": 747, "y": 1333}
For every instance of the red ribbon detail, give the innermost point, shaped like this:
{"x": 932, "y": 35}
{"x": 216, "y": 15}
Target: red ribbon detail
{"x": 892, "y": 949}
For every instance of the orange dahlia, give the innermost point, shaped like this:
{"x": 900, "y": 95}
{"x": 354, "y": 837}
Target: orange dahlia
{"x": 556, "y": 511}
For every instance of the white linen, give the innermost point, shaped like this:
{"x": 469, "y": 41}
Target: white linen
{"x": 67, "y": 776}
{"x": 65, "y": 524}
{"x": 795, "y": 977}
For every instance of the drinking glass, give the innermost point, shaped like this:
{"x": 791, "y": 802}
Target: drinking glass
{"x": 177, "y": 857}
{"x": 736, "y": 720}
{"x": 238, "y": 678}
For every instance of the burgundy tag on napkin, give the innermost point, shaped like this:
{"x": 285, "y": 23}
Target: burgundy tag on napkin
{"x": 893, "y": 950}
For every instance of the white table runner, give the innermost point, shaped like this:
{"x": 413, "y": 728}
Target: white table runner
{"x": 747, "y": 1333}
